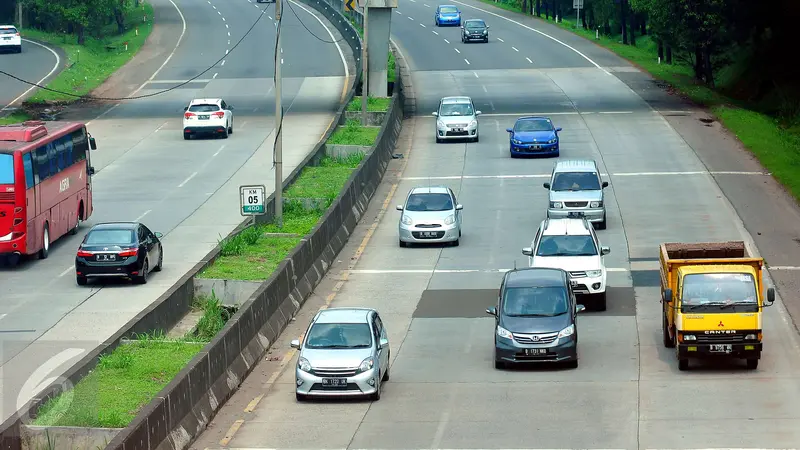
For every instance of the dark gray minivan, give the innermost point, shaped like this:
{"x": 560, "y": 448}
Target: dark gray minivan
{"x": 536, "y": 318}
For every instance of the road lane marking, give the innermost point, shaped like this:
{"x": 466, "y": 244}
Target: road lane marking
{"x": 2, "y": 315}
{"x": 422, "y": 25}
{"x": 466, "y": 61}
{"x": 456, "y": 50}
{"x": 410, "y": 18}
{"x": 231, "y": 431}
{"x": 398, "y": 12}
{"x": 142, "y": 216}
{"x": 218, "y": 12}
{"x": 447, "y": 41}
{"x": 160, "y": 127}
{"x": 55, "y": 67}
{"x": 617, "y": 174}
{"x": 476, "y": 74}
{"x": 500, "y": 40}
{"x": 435, "y": 271}
{"x": 66, "y": 271}
{"x": 537, "y": 31}
{"x": 222, "y": 63}
{"x": 226, "y": 26}
{"x": 427, "y": 5}
{"x": 187, "y": 179}
{"x": 484, "y": 89}
{"x": 514, "y": 48}
{"x": 434, "y": 32}
{"x": 215, "y": 76}
{"x": 204, "y": 80}
{"x": 529, "y": 60}
{"x": 783, "y": 268}
{"x": 223, "y": 145}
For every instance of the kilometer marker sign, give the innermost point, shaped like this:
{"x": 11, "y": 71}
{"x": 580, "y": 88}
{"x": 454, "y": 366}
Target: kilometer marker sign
{"x": 252, "y": 200}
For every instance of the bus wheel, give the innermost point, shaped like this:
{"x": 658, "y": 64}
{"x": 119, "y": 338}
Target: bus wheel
{"x": 74, "y": 231}
{"x": 43, "y": 253}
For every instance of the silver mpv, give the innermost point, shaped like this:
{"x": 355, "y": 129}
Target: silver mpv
{"x": 456, "y": 118}
{"x": 576, "y": 191}
{"x": 345, "y": 353}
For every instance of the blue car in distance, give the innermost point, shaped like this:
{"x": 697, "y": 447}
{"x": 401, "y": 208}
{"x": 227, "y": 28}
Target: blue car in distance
{"x": 534, "y": 136}
{"x": 447, "y": 15}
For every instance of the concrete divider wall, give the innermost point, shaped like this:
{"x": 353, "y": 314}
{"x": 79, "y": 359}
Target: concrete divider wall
{"x": 170, "y": 307}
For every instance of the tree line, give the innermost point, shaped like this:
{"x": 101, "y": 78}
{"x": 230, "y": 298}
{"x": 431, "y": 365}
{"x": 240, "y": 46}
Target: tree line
{"x": 80, "y": 17}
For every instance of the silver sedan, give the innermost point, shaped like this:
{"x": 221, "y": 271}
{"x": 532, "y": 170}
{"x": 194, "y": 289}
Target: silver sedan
{"x": 430, "y": 215}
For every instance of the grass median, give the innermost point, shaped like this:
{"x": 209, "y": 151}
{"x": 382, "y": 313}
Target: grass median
{"x": 374, "y": 104}
{"x": 15, "y": 117}
{"x": 91, "y": 64}
{"x": 352, "y": 133}
{"x": 776, "y": 145}
{"x": 255, "y": 253}
{"x": 128, "y": 378}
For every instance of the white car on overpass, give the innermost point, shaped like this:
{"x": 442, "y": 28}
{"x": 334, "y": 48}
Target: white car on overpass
{"x": 10, "y": 38}
{"x": 207, "y": 116}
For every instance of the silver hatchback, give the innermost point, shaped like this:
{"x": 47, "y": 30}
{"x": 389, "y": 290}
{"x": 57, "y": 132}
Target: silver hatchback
{"x": 456, "y": 118}
{"x": 345, "y": 353}
{"x": 430, "y": 215}
{"x": 576, "y": 191}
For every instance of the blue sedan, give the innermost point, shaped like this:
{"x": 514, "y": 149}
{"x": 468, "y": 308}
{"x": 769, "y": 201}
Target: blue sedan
{"x": 447, "y": 15}
{"x": 535, "y": 136}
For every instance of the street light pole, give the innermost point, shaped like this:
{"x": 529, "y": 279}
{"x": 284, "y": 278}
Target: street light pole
{"x": 278, "y": 156}
{"x": 365, "y": 69}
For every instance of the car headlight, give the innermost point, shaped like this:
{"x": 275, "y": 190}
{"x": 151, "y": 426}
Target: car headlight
{"x": 406, "y": 220}
{"x": 450, "y": 219}
{"x": 516, "y": 141}
{"x": 595, "y": 204}
{"x": 556, "y": 205}
{"x": 303, "y": 364}
{"x": 552, "y": 141}
{"x": 567, "y": 332}
{"x": 440, "y": 124}
{"x": 594, "y": 273}
{"x": 503, "y": 333}
{"x": 473, "y": 123}
{"x": 689, "y": 337}
{"x": 367, "y": 364}
{"x": 485, "y": 31}
{"x": 751, "y": 337}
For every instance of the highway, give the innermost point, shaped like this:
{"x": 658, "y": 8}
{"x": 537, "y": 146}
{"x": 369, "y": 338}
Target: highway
{"x": 444, "y": 391}
{"x": 37, "y": 63}
{"x": 186, "y": 189}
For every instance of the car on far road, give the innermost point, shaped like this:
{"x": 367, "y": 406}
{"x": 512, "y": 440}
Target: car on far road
{"x": 207, "y": 116}
{"x": 456, "y": 118}
{"x": 474, "y": 30}
{"x": 119, "y": 250}
{"x": 534, "y": 135}
{"x": 10, "y": 38}
{"x": 575, "y": 190}
{"x": 447, "y": 15}
{"x": 265, "y": 1}
{"x": 536, "y": 318}
{"x": 345, "y": 352}
{"x": 430, "y": 215}
{"x": 572, "y": 245}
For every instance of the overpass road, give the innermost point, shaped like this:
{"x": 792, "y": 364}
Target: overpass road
{"x": 37, "y": 63}
{"x": 444, "y": 391}
{"x": 186, "y": 189}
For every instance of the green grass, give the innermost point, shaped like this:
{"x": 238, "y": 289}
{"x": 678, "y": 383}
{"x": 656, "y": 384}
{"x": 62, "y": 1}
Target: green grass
{"x": 352, "y": 133}
{"x": 374, "y": 104}
{"x": 776, "y": 147}
{"x": 122, "y": 383}
{"x": 91, "y": 64}
{"x": 324, "y": 181}
{"x": 15, "y": 117}
{"x": 213, "y": 320}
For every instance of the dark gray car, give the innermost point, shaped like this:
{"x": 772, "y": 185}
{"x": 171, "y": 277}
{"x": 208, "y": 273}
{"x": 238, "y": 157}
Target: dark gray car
{"x": 474, "y": 30}
{"x": 535, "y": 318}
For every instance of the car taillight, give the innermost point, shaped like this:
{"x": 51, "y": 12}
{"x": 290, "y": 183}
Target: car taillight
{"x": 128, "y": 252}
{"x": 17, "y": 34}
{"x": 84, "y": 254}
{"x": 188, "y": 115}
{"x": 220, "y": 114}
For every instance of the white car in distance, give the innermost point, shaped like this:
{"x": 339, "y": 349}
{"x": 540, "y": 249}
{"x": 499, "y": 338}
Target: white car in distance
{"x": 572, "y": 245}
{"x": 10, "y": 38}
{"x": 206, "y": 116}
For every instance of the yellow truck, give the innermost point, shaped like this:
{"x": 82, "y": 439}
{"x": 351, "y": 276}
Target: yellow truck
{"x": 712, "y": 295}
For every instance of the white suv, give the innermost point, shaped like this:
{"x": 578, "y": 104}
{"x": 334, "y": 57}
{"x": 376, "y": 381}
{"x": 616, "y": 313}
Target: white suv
{"x": 572, "y": 245}
{"x": 10, "y": 39}
{"x": 207, "y": 116}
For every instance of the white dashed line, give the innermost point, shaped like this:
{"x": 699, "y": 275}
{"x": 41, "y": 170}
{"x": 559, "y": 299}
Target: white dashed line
{"x": 229, "y": 42}
{"x": 215, "y": 76}
{"x": 622, "y": 174}
{"x": 281, "y": 60}
{"x": 226, "y": 26}
{"x": 410, "y": 18}
{"x": 187, "y": 180}
{"x": 476, "y": 74}
{"x": 213, "y": 6}
{"x": 422, "y": 25}
{"x": 222, "y": 63}
{"x": 484, "y": 89}
{"x": 219, "y": 13}
{"x": 223, "y": 19}
{"x": 427, "y": 6}
{"x": 529, "y": 60}
{"x": 69, "y": 269}
{"x": 500, "y": 40}
{"x": 142, "y": 216}
{"x": 398, "y": 12}
{"x": 466, "y": 61}
{"x": 434, "y": 32}
{"x": 515, "y": 49}
{"x": 226, "y": 51}
{"x": 447, "y": 41}
{"x": 456, "y": 50}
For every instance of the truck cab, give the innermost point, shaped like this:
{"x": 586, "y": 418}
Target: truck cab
{"x": 712, "y": 298}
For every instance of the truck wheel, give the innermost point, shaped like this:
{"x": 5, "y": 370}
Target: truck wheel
{"x": 668, "y": 341}
{"x": 752, "y": 364}
{"x": 600, "y": 302}
{"x": 683, "y": 364}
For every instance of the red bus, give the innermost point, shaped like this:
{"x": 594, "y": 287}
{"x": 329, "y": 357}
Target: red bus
{"x": 45, "y": 184}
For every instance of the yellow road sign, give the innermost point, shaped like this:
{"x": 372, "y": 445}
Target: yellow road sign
{"x": 349, "y": 5}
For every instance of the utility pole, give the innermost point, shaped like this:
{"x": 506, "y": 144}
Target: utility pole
{"x": 365, "y": 69}
{"x": 278, "y": 154}
{"x": 19, "y": 12}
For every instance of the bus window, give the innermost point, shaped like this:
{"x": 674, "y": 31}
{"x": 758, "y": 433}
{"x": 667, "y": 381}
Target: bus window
{"x": 59, "y": 144}
{"x": 68, "y": 150}
{"x": 6, "y": 169}
{"x": 42, "y": 163}
{"x": 52, "y": 158}
{"x": 27, "y": 164}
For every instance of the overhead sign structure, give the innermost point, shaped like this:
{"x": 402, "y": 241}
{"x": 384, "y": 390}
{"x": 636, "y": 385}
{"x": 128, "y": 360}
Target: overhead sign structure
{"x": 362, "y": 4}
{"x": 577, "y": 4}
{"x": 349, "y": 5}
{"x": 252, "y": 200}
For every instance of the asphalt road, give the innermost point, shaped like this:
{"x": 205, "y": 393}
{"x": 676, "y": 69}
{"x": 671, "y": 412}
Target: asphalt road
{"x": 444, "y": 391}
{"x": 37, "y": 64}
{"x": 187, "y": 190}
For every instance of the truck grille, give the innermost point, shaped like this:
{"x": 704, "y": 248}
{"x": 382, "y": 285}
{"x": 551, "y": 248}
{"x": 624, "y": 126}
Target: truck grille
{"x": 576, "y": 204}
{"x": 719, "y": 338}
{"x": 535, "y": 338}
{"x": 577, "y": 274}
{"x": 429, "y": 225}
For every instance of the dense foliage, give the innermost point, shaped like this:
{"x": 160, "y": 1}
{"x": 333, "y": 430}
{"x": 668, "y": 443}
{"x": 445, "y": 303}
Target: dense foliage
{"x": 79, "y": 17}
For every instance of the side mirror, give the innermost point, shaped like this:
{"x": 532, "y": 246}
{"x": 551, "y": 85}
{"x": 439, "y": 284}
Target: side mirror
{"x": 90, "y": 171}
{"x": 546, "y": 185}
{"x": 668, "y": 295}
{"x": 509, "y": 130}
{"x": 435, "y": 114}
{"x": 295, "y": 343}
{"x": 558, "y": 129}
{"x": 383, "y": 343}
{"x": 159, "y": 234}
{"x": 185, "y": 108}
{"x": 230, "y": 108}
{"x": 478, "y": 113}
{"x": 399, "y": 207}
{"x": 527, "y": 251}
{"x": 605, "y": 184}
{"x": 459, "y": 207}
{"x": 770, "y": 296}
{"x": 92, "y": 143}
{"x": 579, "y": 309}
{"x": 491, "y": 311}
{"x": 605, "y": 250}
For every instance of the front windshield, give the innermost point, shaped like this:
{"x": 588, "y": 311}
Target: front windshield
{"x": 576, "y": 181}
{"x": 533, "y": 125}
{"x": 429, "y": 202}
{"x": 456, "y": 109}
{"x": 709, "y": 292}
{"x": 6, "y": 169}
{"x": 110, "y": 237}
{"x": 567, "y": 245}
{"x": 475, "y": 24}
{"x": 448, "y": 10}
{"x": 339, "y": 335}
{"x": 535, "y": 302}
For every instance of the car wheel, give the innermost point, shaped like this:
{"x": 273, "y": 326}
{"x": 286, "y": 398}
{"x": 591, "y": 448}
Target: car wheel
{"x": 160, "y": 264}
{"x": 74, "y": 230}
{"x": 186, "y": 135}
{"x": 225, "y": 133}
{"x": 386, "y": 375}
{"x": 142, "y": 278}
{"x": 377, "y": 395}
{"x": 600, "y": 304}
{"x": 486, "y": 41}
{"x": 752, "y": 364}
{"x": 602, "y": 224}
{"x": 45, "y": 251}
{"x": 668, "y": 341}
{"x": 230, "y": 127}
{"x": 81, "y": 280}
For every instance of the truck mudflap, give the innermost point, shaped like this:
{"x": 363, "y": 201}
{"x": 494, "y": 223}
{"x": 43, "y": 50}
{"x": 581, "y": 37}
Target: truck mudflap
{"x": 746, "y": 350}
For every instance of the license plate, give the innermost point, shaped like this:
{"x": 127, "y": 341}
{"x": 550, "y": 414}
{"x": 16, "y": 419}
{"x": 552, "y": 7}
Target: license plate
{"x": 721, "y": 348}
{"x": 428, "y": 234}
{"x": 573, "y": 283}
{"x": 535, "y": 351}
{"x": 458, "y": 130}
{"x": 576, "y": 214}
{"x": 106, "y": 257}
{"x": 335, "y": 382}
{"x": 202, "y": 117}
{"x": 536, "y": 147}
{"x": 7, "y": 39}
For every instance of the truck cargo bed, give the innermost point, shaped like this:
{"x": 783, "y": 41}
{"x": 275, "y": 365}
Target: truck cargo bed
{"x": 706, "y": 250}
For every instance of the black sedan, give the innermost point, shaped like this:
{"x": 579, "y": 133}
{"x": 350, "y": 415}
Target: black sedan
{"x": 474, "y": 30}
{"x": 119, "y": 250}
